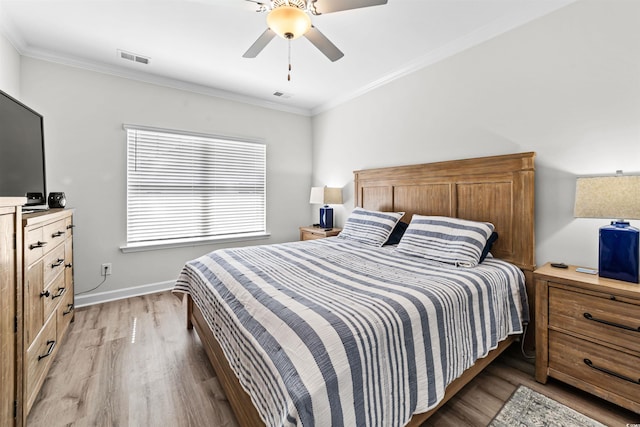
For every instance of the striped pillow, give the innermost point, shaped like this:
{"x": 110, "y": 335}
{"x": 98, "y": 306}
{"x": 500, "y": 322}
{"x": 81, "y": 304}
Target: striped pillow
{"x": 449, "y": 240}
{"x": 370, "y": 227}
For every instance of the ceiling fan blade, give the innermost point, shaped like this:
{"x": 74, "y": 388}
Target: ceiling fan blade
{"x": 259, "y": 44}
{"x": 329, "y": 6}
{"x": 323, "y": 44}
{"x": 261, "y": 6}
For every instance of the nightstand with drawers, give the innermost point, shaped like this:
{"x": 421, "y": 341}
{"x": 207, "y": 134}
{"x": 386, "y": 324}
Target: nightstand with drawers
{"x": 312, "y": 233}
{"x": 588, "y": 333}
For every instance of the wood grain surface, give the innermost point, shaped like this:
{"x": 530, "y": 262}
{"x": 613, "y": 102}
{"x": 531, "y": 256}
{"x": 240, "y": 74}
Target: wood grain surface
{"x": 132, "y": 363}
{"x": 8, "y": 344}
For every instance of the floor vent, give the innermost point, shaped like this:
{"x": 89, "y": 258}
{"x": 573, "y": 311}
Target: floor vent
{"x": 133, "y": 57}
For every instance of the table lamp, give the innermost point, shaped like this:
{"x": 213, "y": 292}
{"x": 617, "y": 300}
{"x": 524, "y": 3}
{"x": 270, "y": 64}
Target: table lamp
{"x": 613, "y": 197}
{"x": 326, "y": 196}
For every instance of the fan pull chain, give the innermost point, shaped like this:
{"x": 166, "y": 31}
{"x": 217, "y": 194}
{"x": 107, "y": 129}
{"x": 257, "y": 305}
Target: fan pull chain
{"x": 289, "y": 74}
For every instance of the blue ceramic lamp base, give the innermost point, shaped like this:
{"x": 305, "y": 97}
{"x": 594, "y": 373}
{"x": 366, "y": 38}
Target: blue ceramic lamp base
{"x": 326, "y": 217}
{"x": 619, "y": 252}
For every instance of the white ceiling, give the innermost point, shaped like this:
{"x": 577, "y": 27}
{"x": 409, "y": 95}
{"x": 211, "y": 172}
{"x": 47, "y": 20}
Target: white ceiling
{"x": 198, "y": 44}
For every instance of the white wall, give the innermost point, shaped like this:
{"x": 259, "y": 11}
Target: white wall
{"x": 566, "y": 86}
{"x": 85, "y": 157}
{"x": 9, "y": 68}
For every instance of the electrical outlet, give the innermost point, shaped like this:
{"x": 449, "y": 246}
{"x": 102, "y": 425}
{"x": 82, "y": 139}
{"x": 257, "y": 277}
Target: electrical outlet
{"x": 106, "y": 269}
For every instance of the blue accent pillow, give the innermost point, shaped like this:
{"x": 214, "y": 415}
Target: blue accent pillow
{"x": 449, "y": 240}
{"x": 397, "y": 233}
{"x": 370, "y": 227}
{"x": 487, "y": 248}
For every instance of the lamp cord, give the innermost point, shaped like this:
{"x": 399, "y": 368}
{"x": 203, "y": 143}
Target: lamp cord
{"x": 524, "y": 335}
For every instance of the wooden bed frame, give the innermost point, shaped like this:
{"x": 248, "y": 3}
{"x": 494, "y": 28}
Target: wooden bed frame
{"x": 498, "y": 189}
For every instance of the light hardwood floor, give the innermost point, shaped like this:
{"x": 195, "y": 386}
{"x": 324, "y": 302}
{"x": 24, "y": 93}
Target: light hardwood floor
{"x": 133, "y": 363}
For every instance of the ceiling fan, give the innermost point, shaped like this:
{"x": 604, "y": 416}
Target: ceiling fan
{"x": 290, "y": 19}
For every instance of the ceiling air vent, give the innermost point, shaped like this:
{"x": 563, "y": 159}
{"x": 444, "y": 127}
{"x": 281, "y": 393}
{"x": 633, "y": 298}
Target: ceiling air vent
{"x": 133, "y": 57}
{"x": 281, "y": 94}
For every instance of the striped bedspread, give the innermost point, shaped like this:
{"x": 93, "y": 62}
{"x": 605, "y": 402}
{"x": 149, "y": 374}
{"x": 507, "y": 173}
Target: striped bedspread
{"x": 332, "y": 333}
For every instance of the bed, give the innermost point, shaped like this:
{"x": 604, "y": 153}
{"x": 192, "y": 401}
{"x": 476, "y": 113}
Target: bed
{"x": 380, "y": 360}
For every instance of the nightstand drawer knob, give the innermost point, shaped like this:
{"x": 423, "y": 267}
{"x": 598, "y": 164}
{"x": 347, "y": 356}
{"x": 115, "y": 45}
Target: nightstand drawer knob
{"x": 588, "y": 316}
{"x": 590, "y": 364}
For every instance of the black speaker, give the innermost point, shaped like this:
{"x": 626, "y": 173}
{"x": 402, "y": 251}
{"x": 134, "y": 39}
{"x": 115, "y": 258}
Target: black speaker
{"x": 57, "y": 200}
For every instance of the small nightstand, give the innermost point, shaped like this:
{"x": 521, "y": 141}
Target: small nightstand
{"x": 311, "y": 233}
{"x": 588, "y": 333}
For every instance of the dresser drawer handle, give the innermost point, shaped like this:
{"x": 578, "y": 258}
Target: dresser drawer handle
{"x": 51, "y": 344}
{"x": 37, "y": 245}
{"x": 590, "y": 364}
{"x": 69, "y": 309}
{"x": 588, "y": 316}
{"x": 68, "y": 265}
{"x": 58, "y": 263}
{"x": 57, "y": 234}
{"x": 59, "y": 294}
{"x": 69, "y": 227}
{"x": 45, "y": 294}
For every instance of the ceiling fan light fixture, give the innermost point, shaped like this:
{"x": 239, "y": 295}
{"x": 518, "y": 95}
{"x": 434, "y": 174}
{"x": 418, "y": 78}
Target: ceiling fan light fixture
{"x": 288, "y": 22}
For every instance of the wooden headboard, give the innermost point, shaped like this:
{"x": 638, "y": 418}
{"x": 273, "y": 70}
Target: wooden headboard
{"x": 497, "y": 189}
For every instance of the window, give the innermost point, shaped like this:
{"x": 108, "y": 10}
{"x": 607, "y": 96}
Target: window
{"x": 185, "y": 187}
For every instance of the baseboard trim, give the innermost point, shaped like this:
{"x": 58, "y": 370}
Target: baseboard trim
{"x": 101, "y": 297}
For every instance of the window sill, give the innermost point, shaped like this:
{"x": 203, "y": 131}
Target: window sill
{"x": 181, "y": 243}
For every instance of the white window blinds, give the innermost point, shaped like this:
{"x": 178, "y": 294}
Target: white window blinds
{"x": 189, "y": 186}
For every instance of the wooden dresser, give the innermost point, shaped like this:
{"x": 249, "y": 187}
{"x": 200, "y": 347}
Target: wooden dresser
{"x": 11, "y": 291}
{"x": 588, "y": 333}
{"x": 48, "y": 293}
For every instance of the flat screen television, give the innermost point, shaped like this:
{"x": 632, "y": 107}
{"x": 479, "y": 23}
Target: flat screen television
{"x": 22, "y": 163}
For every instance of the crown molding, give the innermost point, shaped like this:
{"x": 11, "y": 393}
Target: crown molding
{"x": 9, "y": 31}
{"x": 160, "y": 81}
{"x": 474, "y": 38}
{"x": 485, "y": 33}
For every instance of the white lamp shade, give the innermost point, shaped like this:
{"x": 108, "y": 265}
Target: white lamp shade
{"x": 325, "y": 196}
{"x": 613, "y": 197}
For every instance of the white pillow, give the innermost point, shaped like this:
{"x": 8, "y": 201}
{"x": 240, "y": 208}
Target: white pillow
{"x": 450, "y": 240}
{"x": 369, "y": 227}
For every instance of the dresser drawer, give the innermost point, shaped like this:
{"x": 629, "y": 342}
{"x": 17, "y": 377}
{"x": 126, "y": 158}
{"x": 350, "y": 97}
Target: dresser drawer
{"x": 596, "y": 316}
{"x": 55, "y": 233}
{"x": 68, "y": 261}
{"x": 595, "y": 368}
{"x": 68, "y": 226}
{"x": 65, "y": 312}
{"x": 39, "y": 356}
{"x": 34, "y": 245}
{"x": 53, "y": 294}
{"x": 53, "y": 264}
{"x": 33, "y": 302}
